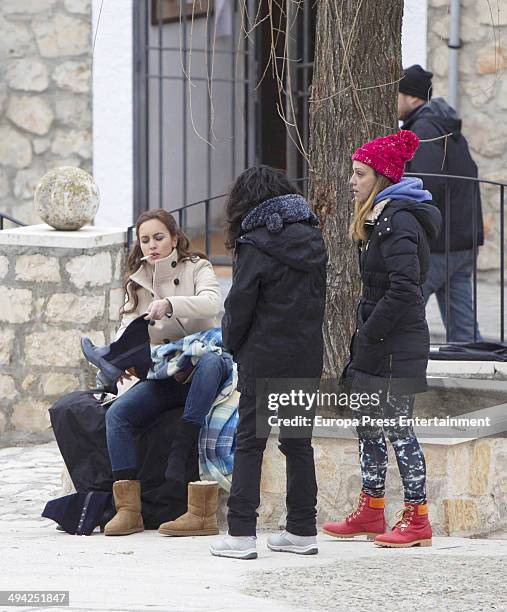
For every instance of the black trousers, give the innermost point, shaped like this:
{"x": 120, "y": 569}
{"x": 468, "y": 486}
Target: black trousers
{"x": 244, "y": 498}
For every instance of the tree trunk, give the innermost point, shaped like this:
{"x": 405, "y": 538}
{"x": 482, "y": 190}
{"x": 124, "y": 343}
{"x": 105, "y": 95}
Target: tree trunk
{"x": 354, "y": 99}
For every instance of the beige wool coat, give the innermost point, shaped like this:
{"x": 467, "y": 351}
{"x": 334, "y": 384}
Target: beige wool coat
{"x": 192, "y": 288}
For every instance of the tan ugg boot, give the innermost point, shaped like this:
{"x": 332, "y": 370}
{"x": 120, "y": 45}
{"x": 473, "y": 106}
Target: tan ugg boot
{"x": 127, "y": 500}
{"x": 201, "y": 516}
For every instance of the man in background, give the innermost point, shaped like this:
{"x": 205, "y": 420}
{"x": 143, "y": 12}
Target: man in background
{"x": 462, "y": 229}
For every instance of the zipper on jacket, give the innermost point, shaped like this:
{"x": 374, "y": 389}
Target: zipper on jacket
{"x": 83, "y": 513}
{"x": 390, "y": 374}
{"x": 367, "y": 246}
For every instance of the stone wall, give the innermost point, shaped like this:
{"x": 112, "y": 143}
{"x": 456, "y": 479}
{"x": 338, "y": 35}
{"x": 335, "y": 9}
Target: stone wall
{"x": 466, "y": 481}
{"x": 51, "y": 296}
{"x": 483, "y": 94}
{"x": 466, "y": 486}
{"x": 45, "y": 95}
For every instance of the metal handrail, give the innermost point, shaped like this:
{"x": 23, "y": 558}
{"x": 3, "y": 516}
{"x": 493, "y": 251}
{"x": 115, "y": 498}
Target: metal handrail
{"x": 11, "y": 219}
{"x": 448, "y": 177}
{"x": 226, "y": 260}
{"x": 180, "y": 211}
{"x": 447, "y": 235}
{"x": 219, "y": 261}
{"x": 455, "y": 176}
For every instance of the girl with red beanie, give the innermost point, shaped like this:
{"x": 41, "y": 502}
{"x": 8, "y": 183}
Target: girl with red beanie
{"x": 392, "y": 223}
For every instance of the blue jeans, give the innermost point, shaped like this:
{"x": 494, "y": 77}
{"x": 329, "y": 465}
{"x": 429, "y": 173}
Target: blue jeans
{"x": 147, "y": 400}
{"x": 461, "y": 264}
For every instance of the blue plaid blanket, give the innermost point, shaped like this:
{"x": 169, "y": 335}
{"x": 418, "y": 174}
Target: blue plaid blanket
{"x": 217, "y": 440}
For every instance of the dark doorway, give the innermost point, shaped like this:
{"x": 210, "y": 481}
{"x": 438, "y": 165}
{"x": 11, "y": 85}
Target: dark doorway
{"x": 280, "y": 145}
{"x": 173, "y": 116}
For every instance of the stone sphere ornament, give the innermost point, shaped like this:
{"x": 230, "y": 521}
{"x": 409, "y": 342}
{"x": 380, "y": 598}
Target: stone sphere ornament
{"x": 67, "y": 198}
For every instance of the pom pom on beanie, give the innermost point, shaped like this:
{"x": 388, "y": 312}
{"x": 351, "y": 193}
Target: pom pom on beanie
{"x": 388, "y": 155}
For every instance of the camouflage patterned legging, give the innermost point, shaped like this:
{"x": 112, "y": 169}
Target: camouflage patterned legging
{"x": 409, "y": 455}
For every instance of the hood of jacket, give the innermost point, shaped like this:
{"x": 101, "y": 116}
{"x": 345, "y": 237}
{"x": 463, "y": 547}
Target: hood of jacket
{"x": 426, "y": 213}
{"x": 440, "y": 114}
{"x": 279, "y": 211}
{"x": 298, "y": 245}
{"x": 285, "y": 227}
{"x": 409, "y": 188}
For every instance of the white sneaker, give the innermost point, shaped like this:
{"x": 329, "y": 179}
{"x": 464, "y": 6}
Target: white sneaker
{"x": 288, "y": 542}
{"x": 235, "y": 547}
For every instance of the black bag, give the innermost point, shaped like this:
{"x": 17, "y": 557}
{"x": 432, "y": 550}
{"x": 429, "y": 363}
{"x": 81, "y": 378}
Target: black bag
{"x": 80, "y": 513}
{"x": 471, "y": 351}
{"x": 79, "y": 425}
{"x": 78, "y": 421}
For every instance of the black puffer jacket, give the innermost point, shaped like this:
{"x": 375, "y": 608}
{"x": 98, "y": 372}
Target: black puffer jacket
{"x": 430, "y": 121}
{"x": 274, "y": 311}
{"x": 392, "y": 338}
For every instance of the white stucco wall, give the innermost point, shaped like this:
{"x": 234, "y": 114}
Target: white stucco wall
{"x": 112, "y": 111}
{"x": 414, "y": 33}
{"x": 112, "y": 99}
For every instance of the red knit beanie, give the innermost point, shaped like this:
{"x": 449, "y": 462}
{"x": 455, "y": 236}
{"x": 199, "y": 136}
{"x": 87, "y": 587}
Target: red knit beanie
{"x": 388, "y": 154}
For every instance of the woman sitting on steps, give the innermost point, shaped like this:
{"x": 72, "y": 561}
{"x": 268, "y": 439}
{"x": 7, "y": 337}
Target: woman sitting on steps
{"x": 177, "y": 291}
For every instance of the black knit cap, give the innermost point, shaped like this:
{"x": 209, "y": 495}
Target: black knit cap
{"x": 416, "y": 82}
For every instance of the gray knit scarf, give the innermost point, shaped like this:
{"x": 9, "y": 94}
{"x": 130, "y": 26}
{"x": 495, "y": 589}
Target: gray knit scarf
{"x": 275, "y": 212}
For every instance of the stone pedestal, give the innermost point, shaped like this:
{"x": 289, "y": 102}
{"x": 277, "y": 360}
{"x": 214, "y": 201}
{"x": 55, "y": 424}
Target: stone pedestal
{"x": 466, "y": 485}
{"x": 56, "y": 287}
{"x": 466, "y": 477}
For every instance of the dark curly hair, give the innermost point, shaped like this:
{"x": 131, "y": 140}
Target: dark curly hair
{"x": 134, "y": 259}
{"x": 253, "y": 186}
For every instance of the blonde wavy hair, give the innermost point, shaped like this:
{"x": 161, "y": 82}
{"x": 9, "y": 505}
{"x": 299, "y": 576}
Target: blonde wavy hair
{"x": 361, "y": 209}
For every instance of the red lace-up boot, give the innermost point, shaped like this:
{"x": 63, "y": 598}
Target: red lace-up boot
{"x": 412, "y": 529}
{"x": 367, "y": 519}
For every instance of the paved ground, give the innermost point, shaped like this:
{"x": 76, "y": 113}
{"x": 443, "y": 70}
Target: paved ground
{"x": 488, "y": 313}
{"x": 148, "y": 572}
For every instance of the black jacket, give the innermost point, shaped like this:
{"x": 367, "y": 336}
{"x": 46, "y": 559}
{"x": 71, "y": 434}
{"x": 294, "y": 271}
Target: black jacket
{"x": 392, "y": 338}
{"x": 430, "y": 121}
{"x": 275, "y": 309}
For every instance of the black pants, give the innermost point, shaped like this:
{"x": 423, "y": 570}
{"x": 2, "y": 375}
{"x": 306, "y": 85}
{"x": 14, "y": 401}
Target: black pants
{"x": 244, "y": 498}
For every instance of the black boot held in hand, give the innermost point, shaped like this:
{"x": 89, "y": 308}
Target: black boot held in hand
{"x": 131, "y": 350}
{"x": 185, "y": 442}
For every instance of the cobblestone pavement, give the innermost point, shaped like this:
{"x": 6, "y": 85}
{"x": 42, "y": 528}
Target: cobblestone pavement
{"x": 29, "y": 476}
{"x": 148, "y": 572}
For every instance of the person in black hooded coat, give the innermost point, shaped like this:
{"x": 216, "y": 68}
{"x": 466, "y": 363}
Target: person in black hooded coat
{"x": 273, "y": 327}
{"x": 273, "y": 314}
{"x": 392, "y": 340}
{"x": 446, "y": 152}
{"x": 393, "y": 223}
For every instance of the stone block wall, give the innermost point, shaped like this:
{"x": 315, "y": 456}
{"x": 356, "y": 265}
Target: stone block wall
{"x": 483, "y": 95}
{"x": 466, "y": 486}
{"x": 50, "y": 297}
{"x": 45, "y": 95}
